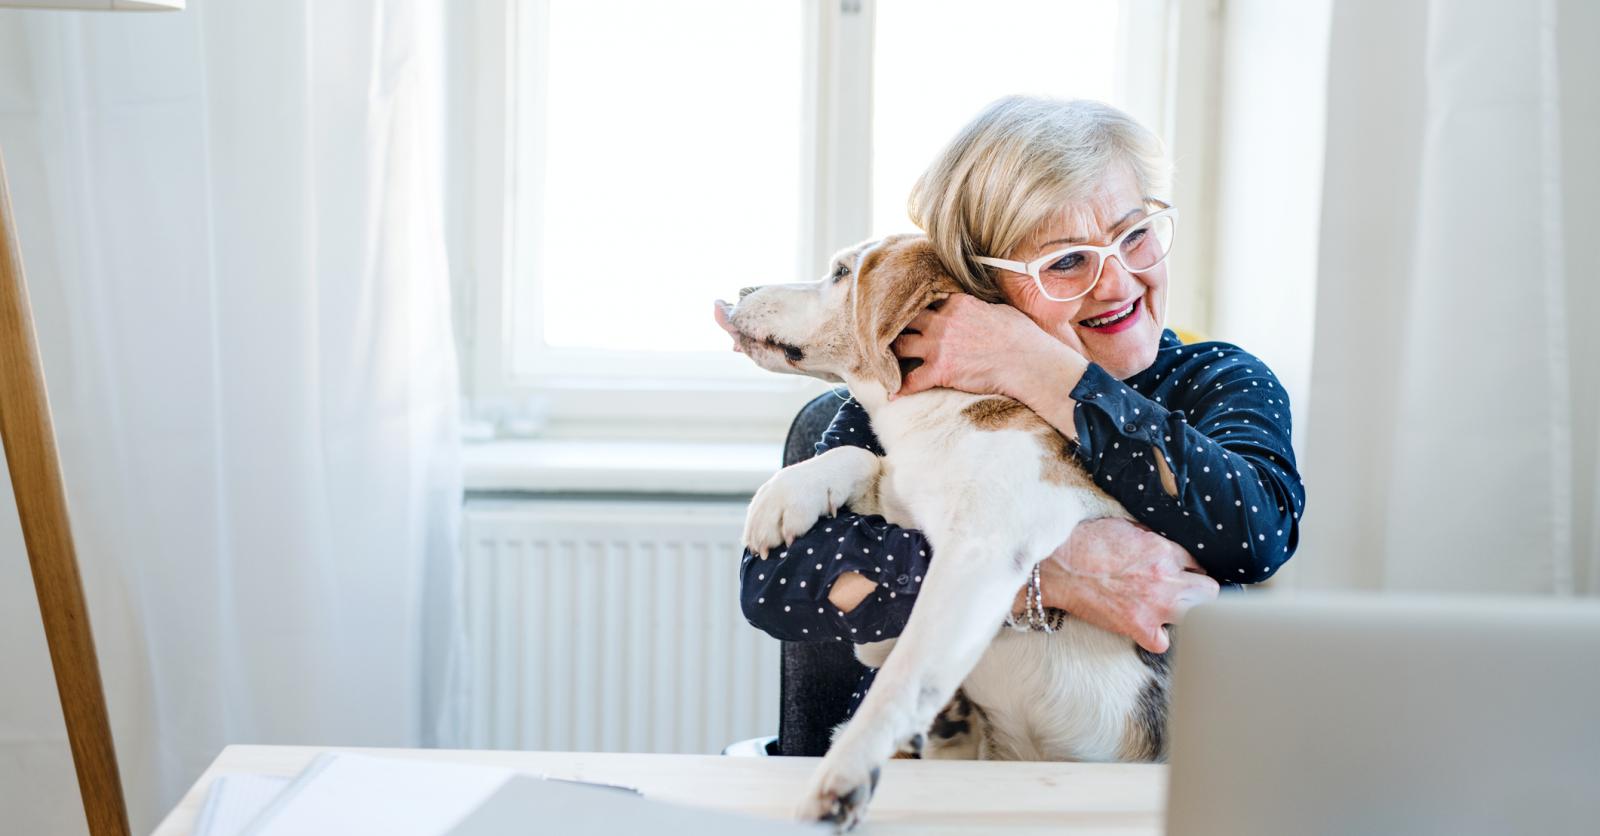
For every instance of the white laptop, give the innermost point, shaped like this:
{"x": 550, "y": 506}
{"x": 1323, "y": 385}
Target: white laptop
{"x": 1386, "y": 714}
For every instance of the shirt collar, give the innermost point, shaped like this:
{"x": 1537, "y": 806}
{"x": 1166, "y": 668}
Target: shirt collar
{"x": 1166, "y": 354}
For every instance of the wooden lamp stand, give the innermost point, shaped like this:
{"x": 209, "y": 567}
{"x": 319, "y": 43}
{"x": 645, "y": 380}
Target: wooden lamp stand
{"x": 30, "y": 447}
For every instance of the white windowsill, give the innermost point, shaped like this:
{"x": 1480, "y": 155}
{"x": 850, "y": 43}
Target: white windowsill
{"x": 591, "y": 466}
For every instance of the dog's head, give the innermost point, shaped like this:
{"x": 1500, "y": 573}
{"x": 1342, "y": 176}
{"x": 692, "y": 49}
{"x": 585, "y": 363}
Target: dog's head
{"x": 839, "y": 328}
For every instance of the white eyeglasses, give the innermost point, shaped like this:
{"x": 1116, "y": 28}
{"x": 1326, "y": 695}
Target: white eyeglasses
{"x": 1070, "y": 273}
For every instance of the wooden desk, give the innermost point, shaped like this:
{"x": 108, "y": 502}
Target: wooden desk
{"x": 943, "y": 797}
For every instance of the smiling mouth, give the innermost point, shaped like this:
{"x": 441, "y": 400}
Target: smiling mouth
{"x": 1112, "y": 318}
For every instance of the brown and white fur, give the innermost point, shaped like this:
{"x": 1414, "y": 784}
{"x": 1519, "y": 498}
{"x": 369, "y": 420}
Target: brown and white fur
{"x": 995, "y": 490}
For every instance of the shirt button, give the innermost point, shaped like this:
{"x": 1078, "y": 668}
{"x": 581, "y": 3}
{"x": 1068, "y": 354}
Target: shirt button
{"x": 1130, "y": 427}
{"x": 1089, "y": 396}
{"x": 903, "y": 580}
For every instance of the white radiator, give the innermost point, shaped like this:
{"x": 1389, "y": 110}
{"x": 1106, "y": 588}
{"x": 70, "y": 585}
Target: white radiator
{"x": 608, "y": 625}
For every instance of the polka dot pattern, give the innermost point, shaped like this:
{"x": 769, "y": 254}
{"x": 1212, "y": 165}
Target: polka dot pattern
{"x": 1219, "y": 418}
{"x": 893, "y": 557}
{"x": 1215, "y": 414}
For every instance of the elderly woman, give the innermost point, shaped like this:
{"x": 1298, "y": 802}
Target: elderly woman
{"x": 1047, "y": 214}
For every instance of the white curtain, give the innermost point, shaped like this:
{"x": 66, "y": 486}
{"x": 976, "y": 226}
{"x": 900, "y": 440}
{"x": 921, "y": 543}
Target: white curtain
{"x": 230, "y": 221}
{"x": 1452, "y": 435}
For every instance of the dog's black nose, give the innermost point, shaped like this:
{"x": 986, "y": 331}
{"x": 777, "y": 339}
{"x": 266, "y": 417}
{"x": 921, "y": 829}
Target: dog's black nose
{"x": 746, "y": 291}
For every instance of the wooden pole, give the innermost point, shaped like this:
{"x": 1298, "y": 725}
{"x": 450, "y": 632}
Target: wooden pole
{"x": 30, "y": 446}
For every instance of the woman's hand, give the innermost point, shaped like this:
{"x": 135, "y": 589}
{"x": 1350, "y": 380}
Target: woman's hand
{"x": 1122, "y": 577}
{"x": 977, "y": 347}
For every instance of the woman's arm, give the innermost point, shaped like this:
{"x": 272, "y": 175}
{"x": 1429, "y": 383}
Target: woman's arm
{"x": 1122, "y": 577}
{"x": 1112, "y": 573}
{"x": 1205, "y": 460}
{"x": 797, "y": 592}
{"x": 786, "y": 594}
{"x": 1201, "y": 455}
{"x": 989, "y": 349}
{"x": 1196, "y": 448}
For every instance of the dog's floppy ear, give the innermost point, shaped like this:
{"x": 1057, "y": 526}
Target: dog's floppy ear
{"x": 894, "y": 283}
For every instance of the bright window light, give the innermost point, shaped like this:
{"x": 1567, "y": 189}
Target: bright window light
{"x": 672, "y": 167}
{"x": 938, "y": 62}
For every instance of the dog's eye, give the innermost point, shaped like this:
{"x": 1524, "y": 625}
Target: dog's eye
{"x": 840, "y": 271}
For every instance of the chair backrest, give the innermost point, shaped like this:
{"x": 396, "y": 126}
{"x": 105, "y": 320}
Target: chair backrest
{"x": 815, "y": 677}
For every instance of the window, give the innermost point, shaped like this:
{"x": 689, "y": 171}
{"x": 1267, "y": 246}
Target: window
{"x": 1011, "y": 46}
{"x": 640, "y": 158}
{"x": 663, "y": 142}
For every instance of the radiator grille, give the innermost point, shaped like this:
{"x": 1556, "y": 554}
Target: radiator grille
{"x": 612, "y": 626}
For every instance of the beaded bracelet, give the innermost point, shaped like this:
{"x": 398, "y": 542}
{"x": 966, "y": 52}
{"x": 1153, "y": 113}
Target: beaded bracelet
{"x": 1037, "y": 616}
{"x": 1033, "y": 617}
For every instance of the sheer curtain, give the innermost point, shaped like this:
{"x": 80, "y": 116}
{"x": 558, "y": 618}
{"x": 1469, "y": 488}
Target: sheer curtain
{"x": 1452, "y": 435}
{"x": 230, "y": 221}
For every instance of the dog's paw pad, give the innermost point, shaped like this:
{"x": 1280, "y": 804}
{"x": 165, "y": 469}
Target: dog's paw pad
{"x": 844, "y": 810}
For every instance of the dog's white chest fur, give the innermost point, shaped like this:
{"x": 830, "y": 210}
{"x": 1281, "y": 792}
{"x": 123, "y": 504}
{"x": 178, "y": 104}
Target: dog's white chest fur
{"x": 936, "y": 458}
{"x": 1059, "y": 696}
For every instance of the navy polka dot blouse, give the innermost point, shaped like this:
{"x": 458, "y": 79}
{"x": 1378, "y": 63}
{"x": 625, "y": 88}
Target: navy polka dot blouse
{"x": 1215, "y": 413}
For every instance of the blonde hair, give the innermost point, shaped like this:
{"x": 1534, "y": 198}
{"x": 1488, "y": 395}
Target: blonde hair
{"x": 1020, "y": 162}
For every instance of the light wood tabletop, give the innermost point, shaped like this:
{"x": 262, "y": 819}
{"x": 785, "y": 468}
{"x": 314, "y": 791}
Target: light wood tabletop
{"x": 940, "y": 797}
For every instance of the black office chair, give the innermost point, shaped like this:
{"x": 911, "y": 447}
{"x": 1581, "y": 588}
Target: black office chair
{"x": 816, "y": 678}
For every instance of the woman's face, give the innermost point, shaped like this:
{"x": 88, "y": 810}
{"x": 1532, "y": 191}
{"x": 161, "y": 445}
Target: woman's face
{"x": 1122, "y": 348}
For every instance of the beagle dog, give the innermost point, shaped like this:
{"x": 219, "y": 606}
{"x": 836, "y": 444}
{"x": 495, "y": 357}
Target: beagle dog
{"x": 995, "y": 490}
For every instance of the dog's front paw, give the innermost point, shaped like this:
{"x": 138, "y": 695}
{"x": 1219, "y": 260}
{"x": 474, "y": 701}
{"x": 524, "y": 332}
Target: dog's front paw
{"x": 838, "y": 796}
{"x": 792, "y": 501}
{"x": 787, "y": 506}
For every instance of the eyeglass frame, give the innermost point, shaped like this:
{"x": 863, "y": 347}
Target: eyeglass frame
{"x": 1105, "y": 253}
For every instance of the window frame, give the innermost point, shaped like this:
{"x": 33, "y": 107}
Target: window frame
{"x": 673, "y": 397}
